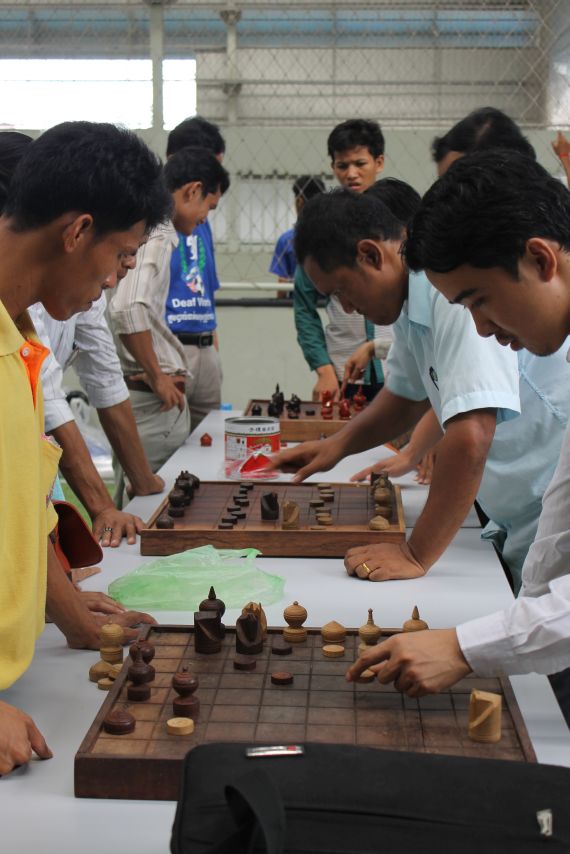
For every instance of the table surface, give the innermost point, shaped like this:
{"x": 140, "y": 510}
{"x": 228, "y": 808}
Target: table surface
{"x": 37, "y": 806}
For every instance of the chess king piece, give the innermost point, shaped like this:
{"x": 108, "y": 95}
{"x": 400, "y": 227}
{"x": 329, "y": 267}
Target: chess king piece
{"x": 415, "y": 624}
{"x": 256, "y": 609}
{"x": 484, "y": 717}
{"x": 186, "y": 705}
{"x": 295, "y": 615}
{"x": 112, "y": 638}
{"x": 290, "y": 515}
{"x": 369, "y": 633}
{"x": 215, "y": 605}
{"x": 249, "y": 634}
{"x": 207, "y": 631}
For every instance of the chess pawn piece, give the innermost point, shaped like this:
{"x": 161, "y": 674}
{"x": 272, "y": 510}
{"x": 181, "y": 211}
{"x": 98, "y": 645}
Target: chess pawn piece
{"x": 186, "y": 705}
{"x": 369, "y": 633}
{"x": 215, "y": 605}
{"x": 382, "y": 495}
{"x": 256, "y": 609}
{"x": 379, "y": 523}
{"x": 359, "y": 401}
{"x": 112, "y": 639}
{"x": 295, "y": 615}
{"x": 249, "y": 635}
{"x": 119, "y": 721}
{"x": 333, "y": 632}
{"x": 484, "y": 717}
{"x": 290, "y": 516}
{"x": 415, "y": 624}
{"x": 146, "y": 648}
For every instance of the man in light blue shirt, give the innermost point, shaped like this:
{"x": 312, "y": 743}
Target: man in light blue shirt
{"x": 351, "y": 246}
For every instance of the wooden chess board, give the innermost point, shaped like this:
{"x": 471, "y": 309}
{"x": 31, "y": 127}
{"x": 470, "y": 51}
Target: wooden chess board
{"x": 309, "y": 425}
{"x": 352, "y": 509}
{"x": 320, "y": 706}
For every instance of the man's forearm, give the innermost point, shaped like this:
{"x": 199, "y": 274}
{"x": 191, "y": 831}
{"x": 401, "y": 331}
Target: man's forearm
{"x": 65, "y": 607}
{"x": 78, "y": 469}
{"x": 427, "y": 433}
{"x": 386, "y": 416}
{"x": 139, "y": 345}
{"x": 455, "y": 482}
{"x": 119, "y": 424}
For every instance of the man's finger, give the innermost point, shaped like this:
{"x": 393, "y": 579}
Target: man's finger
{"x": 362, "y": 475}
{"x": 372, "y": 660}
{"x": 38, "y": 742}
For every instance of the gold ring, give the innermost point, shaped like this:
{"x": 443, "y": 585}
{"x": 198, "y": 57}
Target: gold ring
{"x": 366, "y": 568}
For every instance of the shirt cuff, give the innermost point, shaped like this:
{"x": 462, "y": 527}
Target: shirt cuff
{"x": 487, "y": 646}
{"x": 56, "y": 413}
{"x": 135, "y": 319}
{"x": 103, "y": 398}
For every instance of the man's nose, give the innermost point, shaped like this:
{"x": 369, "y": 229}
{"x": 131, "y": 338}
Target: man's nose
{"x": 111, "y": 280}
{"x": 484, "y": 326}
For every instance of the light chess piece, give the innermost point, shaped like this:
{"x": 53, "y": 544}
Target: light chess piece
{"x": 369, "y": 633}
{"x": 484, "y": 717}
{"x": 112, "y": 638}
{"x": 415, "y": 624}
{"x": 295, "y": 615}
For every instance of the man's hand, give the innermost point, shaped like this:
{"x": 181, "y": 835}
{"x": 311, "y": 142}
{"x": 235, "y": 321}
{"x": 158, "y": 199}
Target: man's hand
{"x": 111, "y": 525}
{"x": 129, "y": 620}
{"x": 154, "y": 485}
{"x": 100, "y": 603}
{"x": 307, "y": 459}
{"x": 394, "y": 466}
{"x": 384, "y": 562}
{"x": 19, "y": 737}
{"x": 165, "y": 387}
{"x": 356, "y": 364}
{"x": 561, "y": 147}
{"x": 417, "y": 662}
{"x": 327, "y": 381}
{"x": 425, "y": 467}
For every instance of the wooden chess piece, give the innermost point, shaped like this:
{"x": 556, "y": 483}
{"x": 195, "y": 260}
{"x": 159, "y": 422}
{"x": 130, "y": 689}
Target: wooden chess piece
{"x": 415, "y": 624}
{"x": 146, "y": 648}
{"x": 369, "y": 633}
{"x": 207, "y": 632}
{"x": 333, "y": 632}
{"x": 359, "y": 401}
{"x": 112, "y": 639}
{"x": 344, "y": 410}
{"x": 119, "y": 721}
{"x": 379, "y": 523}
{"x": 206, "y": 440}
{"x": 213, "y": 604}
{"x": 186, "y": 705}
{"x": 140, "y": 674}
{"x": 100, "y": 670}
{"x": 256, "y": 409}
{"x": 269, "y": 507}
{"x": 256, "y": 609}
{"x": 249, "y": 635}
{"x": 382, "y": 495}
{"x": 290, "y": 516}
{"x": 295, "y": 615}
{"x": 484, "y": 717}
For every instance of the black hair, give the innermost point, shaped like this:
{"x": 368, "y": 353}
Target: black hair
{"x": 13, "y": 145}
{"x": 402, "y": 199}
{"x": 483, "y": 211}
{"x": 356, "y": 133}
{"x": 307, "y": 186}
{"x": 99, "y": 169}
{"x": 198, "y": 133}
{"x": 196, "y": 164}
{"x": 481, "y": 130}
{"x": 332, "y": 224}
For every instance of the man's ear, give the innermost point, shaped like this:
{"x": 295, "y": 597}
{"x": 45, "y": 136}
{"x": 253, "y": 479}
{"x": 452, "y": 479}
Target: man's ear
{"x": 76, "y": 230}
{"x": 379, "y": 163}
{"x": 543, "y": 255}
{"x": 369, "y": 252}
{"x": 191, "y": 191}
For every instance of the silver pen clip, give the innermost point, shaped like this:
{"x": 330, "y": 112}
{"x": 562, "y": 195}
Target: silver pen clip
{"x": 275, "y": 750}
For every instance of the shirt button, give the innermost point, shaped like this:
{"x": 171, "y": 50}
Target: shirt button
{"x": 25, "y": 352}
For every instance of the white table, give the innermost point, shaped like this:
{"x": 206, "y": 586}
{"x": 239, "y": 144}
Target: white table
{"x": 37, "y": 806}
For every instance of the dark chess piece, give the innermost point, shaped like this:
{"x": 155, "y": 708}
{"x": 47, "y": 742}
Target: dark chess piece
{"x": 327, "y": 411}
{"x": 215, "y": 605}
{"x": 344, "y": 410}
{"x": 186, "y": 477}
{"x": 186, "y": 705}
{"x": 249, "y": 635}
{"x": 269, "y": 507}
{"x": 293, "y": 406}
{"x": 277, "y": 404}
{"x": 207, "y": 632}
{"x": 140, "y": 674}
{"x": 119, "y": 722}
{"x": 359, "y": 401}
{"x": 272, "y": 410}
{"x": 256, "y": 409}
{"x": 177, "y": 498}
{"x": 146, "y": 648}
{"x": 164, "y": 521}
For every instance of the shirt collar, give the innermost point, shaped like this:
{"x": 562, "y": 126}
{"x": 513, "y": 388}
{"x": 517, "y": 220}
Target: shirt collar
{"x": 13, "y": 333}
{"x": 420, "y": 299}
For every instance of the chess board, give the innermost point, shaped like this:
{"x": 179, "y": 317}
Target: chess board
{"x": 309, "y": 425}
{"x": 320, "y": 706}
{"x": 352, "y": 509}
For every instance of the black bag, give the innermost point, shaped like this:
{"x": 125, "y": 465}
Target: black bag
{"x": 338, "y": 799}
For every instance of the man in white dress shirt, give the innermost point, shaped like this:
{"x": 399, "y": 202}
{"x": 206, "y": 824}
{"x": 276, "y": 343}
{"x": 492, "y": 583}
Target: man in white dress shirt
{"x": 494, "y": 236}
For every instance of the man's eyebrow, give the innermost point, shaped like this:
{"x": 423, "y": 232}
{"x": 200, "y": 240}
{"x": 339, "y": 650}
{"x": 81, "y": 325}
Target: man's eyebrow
{"x": 463, "y": 295}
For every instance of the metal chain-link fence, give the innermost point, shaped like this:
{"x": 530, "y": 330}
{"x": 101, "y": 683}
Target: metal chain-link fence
{"x": 277, "y": 76}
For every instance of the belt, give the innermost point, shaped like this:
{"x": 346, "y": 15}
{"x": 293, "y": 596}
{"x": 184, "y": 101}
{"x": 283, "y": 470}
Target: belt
{"x": 198, "y": 339}
{"x": 139, "y": 385}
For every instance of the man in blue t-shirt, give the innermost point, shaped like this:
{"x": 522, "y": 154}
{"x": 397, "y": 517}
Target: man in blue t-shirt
{"x": 283, "y": 263}
{"x": 190, "y": 305}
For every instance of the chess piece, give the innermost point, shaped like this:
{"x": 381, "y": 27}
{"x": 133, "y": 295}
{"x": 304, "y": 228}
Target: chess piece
{"x": 164, "y": 521}
{"x": 415, "y": 624}
{"x": 290, "y": 516}
{"x": 382, "y": 495}
{"x": 333, "y": 650}
{"x": 484, "y": 717}
{"x": 295, "y": 615}
{"x": 276, "y": 404}
{"x": 216, "y": 605}
{"x": 326, "y": 398}
{"x": 140, "y": 674}
{"x": 282, "y": 677}
{"x": 333, "y": 632}
{"x": 269, "y": 507}
{"x": 256, "y": 409}
{"x": 344, "y": 410}
{"x": 207, "y": 631}
{"x": 186, "y": 705}
{"x": 369, "y": 633}
{"x": 383, "y": 510}
{"x": 175, "y": 512}
{"x": 249, "y": 634}
{"x": 256, "y": 609}
{"x": 146, "y": 648}
{"x": 112, "y": 638}
{"x": 119, "y": 721}
{"x": 244, "y": 662}
{"x": 359, "y": 401}
{"x": 177, "y": 498}
{"x": 327, "y": 412}
{"x": 378, "y": 523}
{"x": 206, "y": 440}
{"x": 100, "y": 670}
{"x": 180, "y": 726}
{"x": 185, "y": 478}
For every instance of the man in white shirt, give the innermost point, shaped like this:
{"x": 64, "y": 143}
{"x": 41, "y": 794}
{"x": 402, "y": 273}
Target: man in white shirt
{"x": 494, "y": 236}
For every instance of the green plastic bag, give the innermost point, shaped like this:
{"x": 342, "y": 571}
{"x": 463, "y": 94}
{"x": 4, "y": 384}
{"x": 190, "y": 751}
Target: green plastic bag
{"x": 180, "y": 582}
